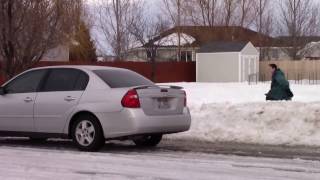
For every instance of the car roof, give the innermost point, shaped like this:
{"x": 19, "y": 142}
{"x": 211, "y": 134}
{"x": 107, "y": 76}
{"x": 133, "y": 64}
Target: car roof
{"x": 83, "y": 67}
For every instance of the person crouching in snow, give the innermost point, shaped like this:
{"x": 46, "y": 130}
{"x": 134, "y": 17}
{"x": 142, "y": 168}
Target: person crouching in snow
{"x": 280, "y": 88}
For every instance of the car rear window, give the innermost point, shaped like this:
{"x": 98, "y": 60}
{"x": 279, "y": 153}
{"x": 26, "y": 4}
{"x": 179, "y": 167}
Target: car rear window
{"x": 117, "y": 78}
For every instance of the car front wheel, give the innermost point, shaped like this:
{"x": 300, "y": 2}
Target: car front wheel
{"x": 87, "y": 133}
{"x": 148, "y": 141}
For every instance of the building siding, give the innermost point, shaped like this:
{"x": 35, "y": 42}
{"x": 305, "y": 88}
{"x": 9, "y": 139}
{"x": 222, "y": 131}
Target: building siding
{"x": 217, "y": 67}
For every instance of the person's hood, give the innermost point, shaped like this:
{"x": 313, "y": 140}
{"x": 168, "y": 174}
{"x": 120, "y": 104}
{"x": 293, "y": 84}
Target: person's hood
{"x": 279, "y": 71}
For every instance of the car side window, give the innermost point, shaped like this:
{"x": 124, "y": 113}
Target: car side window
{"x": 65, "y": 79}
{"x": 25, "y": 83}
{"x": 82, "y": 82}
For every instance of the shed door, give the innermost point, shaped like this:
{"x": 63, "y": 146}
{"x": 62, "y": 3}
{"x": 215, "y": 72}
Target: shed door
{"x": 249, "y": 67}
{"x": 245, "y": 68}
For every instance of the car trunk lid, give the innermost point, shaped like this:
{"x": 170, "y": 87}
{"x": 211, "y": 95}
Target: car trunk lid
{"x": 161, "y": 100}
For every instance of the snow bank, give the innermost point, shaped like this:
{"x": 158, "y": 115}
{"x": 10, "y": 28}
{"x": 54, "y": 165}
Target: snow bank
{"x": 278, "y": 123}
{"x": 237, "y": 112}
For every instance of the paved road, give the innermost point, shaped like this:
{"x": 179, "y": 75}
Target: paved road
{"x": 21, "y": 159}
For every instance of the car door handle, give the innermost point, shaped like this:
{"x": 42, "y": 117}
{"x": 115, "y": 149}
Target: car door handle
{"x": 69, "y": 98}
{"x": 28, "y": 99}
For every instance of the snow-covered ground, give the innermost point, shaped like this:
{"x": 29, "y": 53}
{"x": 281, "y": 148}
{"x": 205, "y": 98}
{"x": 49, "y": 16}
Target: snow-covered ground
{"x": 36, "y": 163}
{"x": 238, "y": 112}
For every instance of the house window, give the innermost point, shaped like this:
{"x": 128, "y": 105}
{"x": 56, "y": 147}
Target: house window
{"x": 186, "y": 56}
{"x": 275, "y": 53}
{"x": 150, "y": 53}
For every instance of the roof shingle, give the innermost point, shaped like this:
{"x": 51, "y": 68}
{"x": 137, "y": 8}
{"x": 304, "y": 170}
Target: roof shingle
{"x": 222, "y": 47}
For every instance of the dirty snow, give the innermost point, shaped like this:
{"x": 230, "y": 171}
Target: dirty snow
{"x": 238, "y": 112}
{"x": 35, "y": 163}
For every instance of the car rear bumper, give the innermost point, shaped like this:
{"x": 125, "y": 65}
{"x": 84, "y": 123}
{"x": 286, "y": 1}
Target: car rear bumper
{"x": 130, "y": 122}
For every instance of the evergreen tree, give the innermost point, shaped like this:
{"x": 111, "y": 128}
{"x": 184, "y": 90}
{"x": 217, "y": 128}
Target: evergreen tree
{"x": 82, "y": 48}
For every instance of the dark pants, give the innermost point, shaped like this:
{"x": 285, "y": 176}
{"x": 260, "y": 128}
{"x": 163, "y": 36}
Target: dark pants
{"x": 271, "y": 99}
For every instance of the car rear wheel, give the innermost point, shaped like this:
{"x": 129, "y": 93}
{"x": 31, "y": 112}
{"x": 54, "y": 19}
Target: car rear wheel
{"x": 87, "y": 133}
{"x": 148, "y": 141}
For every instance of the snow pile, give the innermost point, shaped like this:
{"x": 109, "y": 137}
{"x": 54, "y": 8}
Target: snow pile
{"x": 237, "y": 112}
{"x": 276, "y": 123}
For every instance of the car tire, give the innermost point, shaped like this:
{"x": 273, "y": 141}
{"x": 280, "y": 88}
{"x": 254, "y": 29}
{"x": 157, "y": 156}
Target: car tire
{"x": 148, "y": 141}
{"x": 87, "y": 133}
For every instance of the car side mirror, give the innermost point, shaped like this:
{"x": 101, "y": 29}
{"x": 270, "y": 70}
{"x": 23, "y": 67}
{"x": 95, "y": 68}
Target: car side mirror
{"x": 2, "y": 91}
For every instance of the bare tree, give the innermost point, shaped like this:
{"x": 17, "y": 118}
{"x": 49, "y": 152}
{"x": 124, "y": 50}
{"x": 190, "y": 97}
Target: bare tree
{"x": 260, "y": 6}
{"x": 246, "y": 12}
{"x": 229, "y": 11}
{"x": 147, "y": 32}
{"x": 29, "y": 28}
{"x": 221, "y": 12}
{"x": 299, "y": 18}
{"x": 174, "y": 10}
{"x": 267, "y": 29}
{"x": 115, "y": 18}
{"x": 204, "y": 12}
{"x": 264, "y": 22}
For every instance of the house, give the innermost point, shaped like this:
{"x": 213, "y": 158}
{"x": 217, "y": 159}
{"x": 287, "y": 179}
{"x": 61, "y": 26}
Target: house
{"x": 167, "y": 48}
{"x": 57, "y": 54}
{"x": 311, "y": 51}
{"x": 282, "y": 46}
{"x": 192, "y": 38}
{"x": 227, "y": 62}
{"x": 274, "y": 53}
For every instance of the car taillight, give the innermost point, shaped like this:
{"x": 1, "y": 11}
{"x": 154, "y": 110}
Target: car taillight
{"x": 131, "y": 99}
{"x": 185, "y": 99}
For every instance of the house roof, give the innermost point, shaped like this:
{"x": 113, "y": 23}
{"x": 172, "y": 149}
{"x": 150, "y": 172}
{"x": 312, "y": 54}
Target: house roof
{"x": 206, "y": 34}
{"x": 222, "y": 47}
{"x": 311, "y": 50}
{"x": 287, "y": 41}
{"x": 173, "y": 40}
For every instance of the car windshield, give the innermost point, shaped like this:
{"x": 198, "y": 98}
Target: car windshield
{"x": 117, "y": 78}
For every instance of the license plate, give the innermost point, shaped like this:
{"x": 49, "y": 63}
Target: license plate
{"x": 163, "y": 103}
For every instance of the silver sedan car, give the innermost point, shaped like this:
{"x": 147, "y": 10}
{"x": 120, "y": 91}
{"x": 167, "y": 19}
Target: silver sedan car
{"x": 91, "y": 104}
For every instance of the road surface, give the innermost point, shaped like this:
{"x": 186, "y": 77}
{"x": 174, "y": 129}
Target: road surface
{"x": 21, "y": 159}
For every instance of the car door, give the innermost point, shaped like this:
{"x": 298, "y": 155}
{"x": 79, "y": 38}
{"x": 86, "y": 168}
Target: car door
{"x": 16, "y": 105}
{"x": 57, "y": 98}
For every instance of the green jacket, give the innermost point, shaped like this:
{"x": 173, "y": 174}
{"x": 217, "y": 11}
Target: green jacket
{"x": 280, "y": 89}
